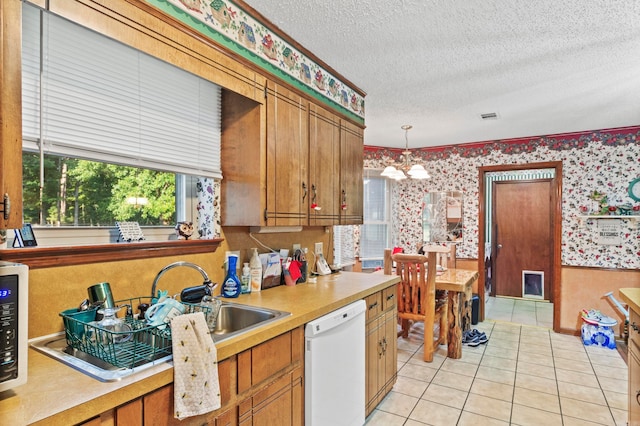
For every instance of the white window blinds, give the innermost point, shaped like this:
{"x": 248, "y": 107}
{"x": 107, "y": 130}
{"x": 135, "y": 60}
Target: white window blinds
{"x": 374, "y": 233}
{"x": 102, "y": 100}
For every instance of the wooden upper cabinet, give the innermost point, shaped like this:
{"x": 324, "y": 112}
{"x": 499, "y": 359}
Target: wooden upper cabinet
{"x": 281, "y": 158}
{"x": 287, "y": 153}
{"x": 351, "y": 168}
{"x": 324, "y": 167}
{"x": 242, "y": 151}
{"x": 10, "y": 115}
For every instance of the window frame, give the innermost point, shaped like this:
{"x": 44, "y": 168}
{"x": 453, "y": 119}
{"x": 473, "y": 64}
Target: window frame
{"x": 377, "y": 260}
{"x": 91, "y": 252}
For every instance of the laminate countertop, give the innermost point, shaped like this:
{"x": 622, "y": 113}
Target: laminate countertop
{"x": 58, "y": 394}
{"x": 632, "y": 297}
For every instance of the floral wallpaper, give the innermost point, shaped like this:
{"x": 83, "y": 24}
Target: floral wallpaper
{"x": 605, "y": 161}
{"x": 226, "y": 23}
{"x": 208, "y": 207}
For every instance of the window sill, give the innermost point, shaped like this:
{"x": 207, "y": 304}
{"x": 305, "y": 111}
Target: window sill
{"x": 48, "y": 257}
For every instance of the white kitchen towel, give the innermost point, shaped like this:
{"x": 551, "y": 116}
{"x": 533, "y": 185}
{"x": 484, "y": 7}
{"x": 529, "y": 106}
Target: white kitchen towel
{"x": 196, "y": 389}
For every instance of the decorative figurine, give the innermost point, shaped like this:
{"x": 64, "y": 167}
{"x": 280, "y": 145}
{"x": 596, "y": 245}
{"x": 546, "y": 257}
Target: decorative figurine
{"x": 184, "y": 230}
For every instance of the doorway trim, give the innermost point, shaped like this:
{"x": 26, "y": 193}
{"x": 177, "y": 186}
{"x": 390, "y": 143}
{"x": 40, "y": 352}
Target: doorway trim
{"x": 556, "y": 231}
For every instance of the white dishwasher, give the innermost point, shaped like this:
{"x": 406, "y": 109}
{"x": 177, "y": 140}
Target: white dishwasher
{"x": 334, "y": 368}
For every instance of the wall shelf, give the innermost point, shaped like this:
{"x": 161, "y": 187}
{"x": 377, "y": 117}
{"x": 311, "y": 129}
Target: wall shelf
{"x": 632, "y": 218}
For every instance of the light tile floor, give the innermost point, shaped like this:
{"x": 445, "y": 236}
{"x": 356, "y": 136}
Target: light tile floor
{"x": 519, "y": 311}
{"x": 524, "y": 375}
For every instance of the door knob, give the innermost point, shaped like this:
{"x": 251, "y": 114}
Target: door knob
{"x": 499, "y": 245}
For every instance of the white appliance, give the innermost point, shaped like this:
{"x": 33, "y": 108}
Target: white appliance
{"x": 334, "y": 368}
{"x": 14, "y": 294}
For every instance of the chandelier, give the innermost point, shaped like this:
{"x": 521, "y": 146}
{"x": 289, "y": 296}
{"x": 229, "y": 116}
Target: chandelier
{"x": 415, "y": 171}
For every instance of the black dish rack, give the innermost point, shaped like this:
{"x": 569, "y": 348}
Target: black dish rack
{"x": 125, "y": 349}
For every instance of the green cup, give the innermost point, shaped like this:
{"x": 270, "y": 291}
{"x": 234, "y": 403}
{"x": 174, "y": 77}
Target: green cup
{"x": 74, "y": 321}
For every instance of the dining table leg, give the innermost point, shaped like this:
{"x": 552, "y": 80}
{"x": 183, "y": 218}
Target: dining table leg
{"x": 459, "y": 320}
{"x": 454, "y": 339}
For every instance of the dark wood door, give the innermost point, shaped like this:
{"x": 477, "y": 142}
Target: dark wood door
{"x": 522, "y": 234}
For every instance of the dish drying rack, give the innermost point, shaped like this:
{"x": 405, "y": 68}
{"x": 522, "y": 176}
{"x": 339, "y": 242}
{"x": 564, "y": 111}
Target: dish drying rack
{"x": 124, "y": 349}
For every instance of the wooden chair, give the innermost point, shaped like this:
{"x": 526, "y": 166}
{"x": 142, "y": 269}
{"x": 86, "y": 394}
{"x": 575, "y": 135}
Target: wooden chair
{"x": 446, "y": 259}
{"x": 416, "y": 296}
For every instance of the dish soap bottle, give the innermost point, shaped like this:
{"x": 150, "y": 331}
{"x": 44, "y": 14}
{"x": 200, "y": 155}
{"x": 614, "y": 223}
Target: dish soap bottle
{"x": 231, "y": 285}
{"x": 255, "y": 271}
{"x": 245, "y": 278}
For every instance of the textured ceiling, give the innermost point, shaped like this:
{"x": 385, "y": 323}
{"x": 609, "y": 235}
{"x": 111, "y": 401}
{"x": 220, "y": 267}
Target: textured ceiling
{"x": 544, "y": 66}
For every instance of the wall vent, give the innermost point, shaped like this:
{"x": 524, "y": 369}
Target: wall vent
{"x": 489, "y": 116}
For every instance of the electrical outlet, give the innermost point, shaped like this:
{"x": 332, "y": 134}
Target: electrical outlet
{"x": 296, "y": 247}
{"x": 318, "y": 249}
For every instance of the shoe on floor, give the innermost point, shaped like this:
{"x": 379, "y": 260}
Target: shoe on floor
{"x": 482, "y": 337}
{"x": 470, "y": 339}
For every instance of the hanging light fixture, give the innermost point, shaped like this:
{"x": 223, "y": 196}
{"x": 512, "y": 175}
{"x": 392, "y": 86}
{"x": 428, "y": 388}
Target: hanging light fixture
{"x": 415, "y": 171}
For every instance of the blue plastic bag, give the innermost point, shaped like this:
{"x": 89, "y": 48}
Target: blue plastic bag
{"x": 598, "y": 335}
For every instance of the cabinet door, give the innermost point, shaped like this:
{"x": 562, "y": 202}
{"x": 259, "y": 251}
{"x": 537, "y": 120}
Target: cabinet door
{"x": 130, "y": 414}
{"x": 157, "y": 406}
{"x": 390, "y": 346}
{"x": 324, "y": 167}
{"x": 351, "y": 167}
{"x": 10, "y": 114}
{"x": 278, "y": 403}
{"x": 634, "y": 384}
{"x": 373, "y": 361}
{"x": 634, "y": 369}
{"x": 287, "y": 155}
{"x": 242, "y": 151}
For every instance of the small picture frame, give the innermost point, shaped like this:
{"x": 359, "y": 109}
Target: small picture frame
{"x": 129, "y": 232}
{"x": 25, "y": 237}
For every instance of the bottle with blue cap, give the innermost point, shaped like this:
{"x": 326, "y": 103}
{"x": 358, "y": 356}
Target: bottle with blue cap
{"x": 231, "y": 285}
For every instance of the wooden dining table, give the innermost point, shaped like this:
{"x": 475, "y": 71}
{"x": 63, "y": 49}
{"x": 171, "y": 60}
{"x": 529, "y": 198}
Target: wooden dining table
{"x": 459, "y": 284}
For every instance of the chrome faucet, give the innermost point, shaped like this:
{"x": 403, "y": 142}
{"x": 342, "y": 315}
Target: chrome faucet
{"x": 207, "y": 281}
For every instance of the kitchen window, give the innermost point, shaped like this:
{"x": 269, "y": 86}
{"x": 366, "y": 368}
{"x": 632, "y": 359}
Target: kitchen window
{"x": 376, "y": 227}
{"x": 111, "y": 134}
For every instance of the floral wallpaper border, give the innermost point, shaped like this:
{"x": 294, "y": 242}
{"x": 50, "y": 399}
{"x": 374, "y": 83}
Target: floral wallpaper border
{"x": 601, "y": 160}
{"x": 231, "y": 26}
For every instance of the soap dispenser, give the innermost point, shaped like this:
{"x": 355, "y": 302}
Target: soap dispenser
{"x": 255, "y": 267}
{"x": 245, "y": 278}
{"x": 231, "y": 285}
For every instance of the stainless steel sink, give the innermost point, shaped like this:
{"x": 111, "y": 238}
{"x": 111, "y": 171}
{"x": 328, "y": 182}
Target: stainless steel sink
{"x": 56, "y": 347}
{"x": 233, "y": 320}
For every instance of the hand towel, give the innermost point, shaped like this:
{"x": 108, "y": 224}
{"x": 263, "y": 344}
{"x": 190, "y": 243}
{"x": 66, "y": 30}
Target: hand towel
{"x": 196, "y": 389}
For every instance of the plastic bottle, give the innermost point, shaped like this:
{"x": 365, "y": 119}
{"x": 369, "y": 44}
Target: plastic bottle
{"x": 245, "y": 278}
{"x": 255, "y": 271}
{"x": 231, "y": 285}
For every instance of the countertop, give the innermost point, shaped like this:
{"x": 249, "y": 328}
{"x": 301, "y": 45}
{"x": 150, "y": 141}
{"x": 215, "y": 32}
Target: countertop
{"x": 631, "y": 296}
{"x": 58, "y": 394}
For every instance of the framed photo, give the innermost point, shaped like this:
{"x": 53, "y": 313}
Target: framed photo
{"x": 25, "y": 237}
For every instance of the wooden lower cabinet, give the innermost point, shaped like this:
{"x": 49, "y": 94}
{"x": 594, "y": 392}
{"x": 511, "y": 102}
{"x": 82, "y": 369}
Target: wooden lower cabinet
{"x": 279, "y": 402}
{"x": 634, "y": 367}
{"x": 260, "y": 386}
{"x": 381, "y": 346}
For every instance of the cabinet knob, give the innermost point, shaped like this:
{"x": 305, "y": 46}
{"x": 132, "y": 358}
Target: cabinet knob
{"x": 637, "y": 397}
{"x": 634, "y": 326}
{"x": 373, "y": 305}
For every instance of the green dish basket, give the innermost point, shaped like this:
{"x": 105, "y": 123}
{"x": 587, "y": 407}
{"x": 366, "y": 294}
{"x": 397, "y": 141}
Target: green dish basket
{"x": 124, "y": 349}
